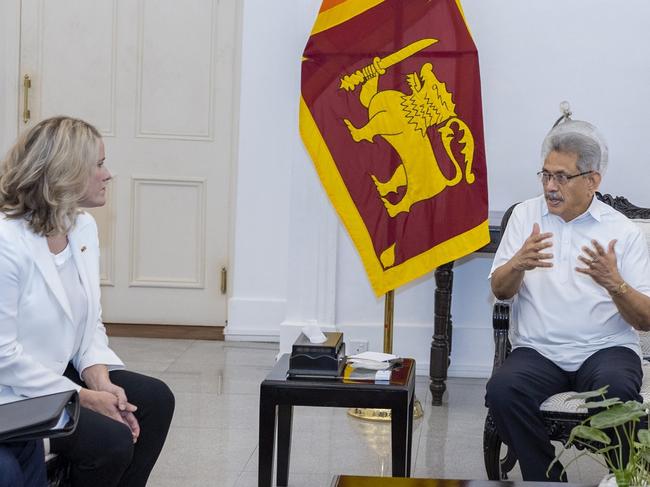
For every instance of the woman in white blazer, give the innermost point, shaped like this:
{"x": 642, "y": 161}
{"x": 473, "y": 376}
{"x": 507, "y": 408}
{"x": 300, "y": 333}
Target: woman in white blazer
{"x": 51, "y": 334}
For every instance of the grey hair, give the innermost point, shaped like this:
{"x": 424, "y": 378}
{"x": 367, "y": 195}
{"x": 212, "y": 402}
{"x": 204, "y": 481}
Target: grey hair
{"x": 580, "y": 138}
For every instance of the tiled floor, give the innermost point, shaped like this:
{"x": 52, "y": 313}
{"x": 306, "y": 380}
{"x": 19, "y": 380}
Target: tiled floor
{"x": 213, "y": 438}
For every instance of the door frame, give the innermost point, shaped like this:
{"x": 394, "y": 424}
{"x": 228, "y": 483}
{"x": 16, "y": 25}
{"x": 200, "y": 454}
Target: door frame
{"x": 10, "y": 79}
{"x": 234, "y": 150}
{"x": 10, "y": 92}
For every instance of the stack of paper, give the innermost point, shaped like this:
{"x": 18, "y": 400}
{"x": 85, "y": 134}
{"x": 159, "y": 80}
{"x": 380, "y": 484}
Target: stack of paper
{"x": 372, "y": 360}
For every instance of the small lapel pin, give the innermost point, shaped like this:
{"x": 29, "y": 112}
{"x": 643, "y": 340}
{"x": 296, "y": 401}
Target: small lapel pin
{"x": 83, "y": 249}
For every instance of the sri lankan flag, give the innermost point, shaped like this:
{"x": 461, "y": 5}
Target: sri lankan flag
{"x": 390, "y": 112}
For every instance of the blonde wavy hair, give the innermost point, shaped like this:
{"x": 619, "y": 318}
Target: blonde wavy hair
{"x": 46, "y": 172}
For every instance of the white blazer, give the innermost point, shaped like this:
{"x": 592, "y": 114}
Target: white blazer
{"x": 37, "y": 334}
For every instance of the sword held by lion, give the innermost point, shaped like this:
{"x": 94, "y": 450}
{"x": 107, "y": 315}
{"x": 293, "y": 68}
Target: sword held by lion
{"x": 403, "y": 120}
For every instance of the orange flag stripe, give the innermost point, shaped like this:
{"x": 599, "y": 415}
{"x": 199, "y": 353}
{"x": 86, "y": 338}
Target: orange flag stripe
{"x": 328, "y": 4}
{"x": 335, "y": 12}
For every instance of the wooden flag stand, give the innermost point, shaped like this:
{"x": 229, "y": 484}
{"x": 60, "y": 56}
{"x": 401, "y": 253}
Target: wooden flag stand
{"x": 375, "y": 414}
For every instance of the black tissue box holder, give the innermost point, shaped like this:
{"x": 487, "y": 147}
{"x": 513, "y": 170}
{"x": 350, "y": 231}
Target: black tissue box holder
{"x": 313, "y": 360}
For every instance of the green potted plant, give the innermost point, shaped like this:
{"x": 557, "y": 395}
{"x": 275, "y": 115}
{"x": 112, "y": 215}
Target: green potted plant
{"x": 603, "y": 443}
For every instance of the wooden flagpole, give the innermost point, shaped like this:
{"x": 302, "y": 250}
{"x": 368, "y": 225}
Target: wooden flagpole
{"x": 388, "y": 321}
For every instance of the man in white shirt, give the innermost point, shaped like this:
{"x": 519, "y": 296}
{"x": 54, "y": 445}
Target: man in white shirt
{"x": 578, "y": 273}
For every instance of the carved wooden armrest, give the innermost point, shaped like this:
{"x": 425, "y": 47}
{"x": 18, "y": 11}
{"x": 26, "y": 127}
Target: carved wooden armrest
{"x": 500, "y": 325}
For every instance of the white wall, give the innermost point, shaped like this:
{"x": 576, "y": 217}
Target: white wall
{"x": 290, "y": 248}
{"x": 273, "y": 37}
{"x": 533, "y": 54}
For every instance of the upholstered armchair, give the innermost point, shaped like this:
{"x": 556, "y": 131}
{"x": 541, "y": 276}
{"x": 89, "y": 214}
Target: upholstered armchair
{"x": 560, "y": 415}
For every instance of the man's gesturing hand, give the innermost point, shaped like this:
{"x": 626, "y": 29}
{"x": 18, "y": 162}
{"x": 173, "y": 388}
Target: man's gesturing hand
{"x": 530, "y": 255}
{"x": 601, "y": 265}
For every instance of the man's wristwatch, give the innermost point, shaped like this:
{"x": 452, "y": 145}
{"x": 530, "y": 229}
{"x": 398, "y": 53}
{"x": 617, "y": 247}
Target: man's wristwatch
{"x": 620, "y": 289}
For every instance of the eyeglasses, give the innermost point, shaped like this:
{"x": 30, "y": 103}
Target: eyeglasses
{"x": 560, "y": 178}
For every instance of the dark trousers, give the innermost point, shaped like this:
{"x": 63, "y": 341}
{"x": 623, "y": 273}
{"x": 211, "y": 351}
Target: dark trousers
{"x": 101, "y": 451}
{"x": 22, "y": 464}
{"x": 526, "y": 379}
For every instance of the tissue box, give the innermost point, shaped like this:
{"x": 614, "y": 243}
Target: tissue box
{"x": 311, "y": 360}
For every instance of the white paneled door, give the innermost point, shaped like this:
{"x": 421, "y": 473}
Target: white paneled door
{"x": 156, "y": 78}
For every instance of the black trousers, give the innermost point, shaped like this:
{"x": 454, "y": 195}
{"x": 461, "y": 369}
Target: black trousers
{"x": 22, "y": 464}
{"x": 101, "y": 451}
{"x": 526, "y": 379}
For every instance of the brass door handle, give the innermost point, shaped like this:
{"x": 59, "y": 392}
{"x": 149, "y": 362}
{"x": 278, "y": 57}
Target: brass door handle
{"x": 224, "y": 280}
{"x": 27, "y": 84}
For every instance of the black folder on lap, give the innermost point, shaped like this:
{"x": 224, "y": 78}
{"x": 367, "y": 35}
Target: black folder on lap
{"x": 35, "y": 417}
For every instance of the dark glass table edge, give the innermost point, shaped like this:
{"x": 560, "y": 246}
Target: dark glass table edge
{"x": 369, "y": 481}
{"x": 278, "y": 375}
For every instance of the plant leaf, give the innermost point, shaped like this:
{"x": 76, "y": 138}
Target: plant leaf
{"x": 586, "y": 395}
{"x": 635, "y": 406}
{"x": 617, "y": 415}
{"x": 589, "y": 433}
{"x": 644, "y": 437}
{"x": 610, "y": 401}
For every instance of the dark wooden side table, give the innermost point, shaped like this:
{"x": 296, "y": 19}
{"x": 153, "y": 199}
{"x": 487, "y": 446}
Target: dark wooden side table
{"x": 354, "y": 481}
{"x": 442, "y": 326}
{"x": 278, "y": 395}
